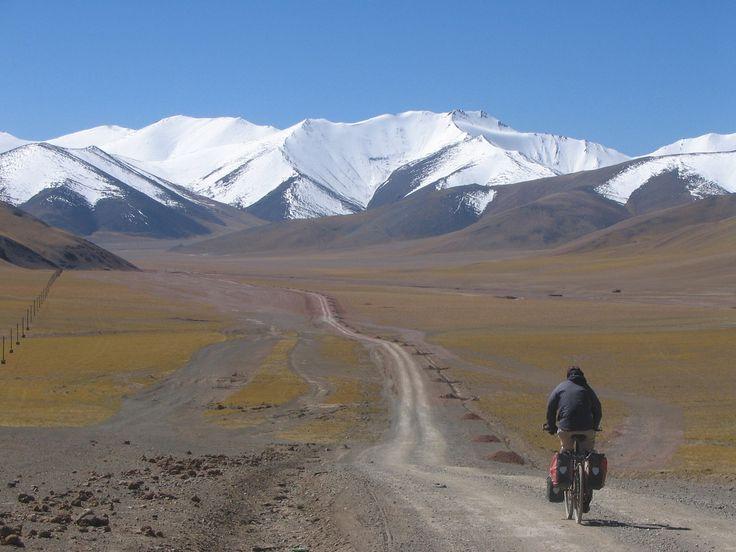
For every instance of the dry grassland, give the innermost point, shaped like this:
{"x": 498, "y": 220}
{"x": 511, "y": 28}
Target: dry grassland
{"x": 677, "y": 354}
{"x": 274, "y": 384}
{"x": 354, "y": 398}
{"x": 95, "y": 341}
{"x": 18, "y": 288}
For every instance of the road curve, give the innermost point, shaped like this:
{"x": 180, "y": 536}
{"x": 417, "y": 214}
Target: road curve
{"x": 430, "y": 504}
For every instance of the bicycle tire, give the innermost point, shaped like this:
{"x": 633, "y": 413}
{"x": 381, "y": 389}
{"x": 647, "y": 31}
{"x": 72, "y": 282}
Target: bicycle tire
{"x": 580, "y": 498}
{"x": 569, "y": 509}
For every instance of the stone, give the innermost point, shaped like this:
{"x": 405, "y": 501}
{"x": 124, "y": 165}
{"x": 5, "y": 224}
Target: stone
{"x": 13, "y": 540}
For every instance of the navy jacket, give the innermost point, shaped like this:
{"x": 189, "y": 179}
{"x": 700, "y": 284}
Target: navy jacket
{"x": 574, "y": 406}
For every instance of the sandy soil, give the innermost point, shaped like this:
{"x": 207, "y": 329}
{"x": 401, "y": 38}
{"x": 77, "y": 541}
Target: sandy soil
{"x": 159, "y": 476}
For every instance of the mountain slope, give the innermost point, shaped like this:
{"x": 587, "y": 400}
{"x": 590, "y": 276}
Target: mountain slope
{"x": 537, "y": 214}
{"x": 473, "y": 161}
{"x": 429, "y": 212}
{"x": 92, "y": 137}
{"x": 8, "y": 142}
{"x": 87, "y": 190}
{"x": 180, "y": 149}
{"x": 28, "y": 242}
{"x": 318, "y": 167}
{"x": 706, "y": 225}
{"x": 318, "y": 161}
{"x": 659, "y": 182}
{"x": 707, "y": 143}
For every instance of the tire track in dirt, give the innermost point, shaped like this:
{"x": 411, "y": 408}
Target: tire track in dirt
{"x": 412, "y": 463}
{"x": 490, "y": 510}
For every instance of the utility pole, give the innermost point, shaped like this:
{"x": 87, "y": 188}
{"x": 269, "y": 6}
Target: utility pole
{"x": 11, "y": 339}
{"x": 17, "y": 333}
{"x": 2, "y": 361}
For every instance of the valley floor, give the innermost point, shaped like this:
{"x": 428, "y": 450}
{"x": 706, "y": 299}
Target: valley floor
{"x": 361, "y": 433}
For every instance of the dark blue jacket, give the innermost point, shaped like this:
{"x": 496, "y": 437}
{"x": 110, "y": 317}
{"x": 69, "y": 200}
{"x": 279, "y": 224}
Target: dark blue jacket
{"x": 574, "y": 406}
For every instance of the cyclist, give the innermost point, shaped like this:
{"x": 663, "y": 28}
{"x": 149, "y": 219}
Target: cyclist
{"x": 573, "y": 408}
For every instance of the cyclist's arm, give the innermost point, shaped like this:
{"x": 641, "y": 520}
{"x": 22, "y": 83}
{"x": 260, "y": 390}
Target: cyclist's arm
{"x": 552, "y": 403}
{"x": 597, "y": 410}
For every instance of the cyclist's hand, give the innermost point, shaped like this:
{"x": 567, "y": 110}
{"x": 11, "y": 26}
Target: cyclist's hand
{"x": 551, "y": 430}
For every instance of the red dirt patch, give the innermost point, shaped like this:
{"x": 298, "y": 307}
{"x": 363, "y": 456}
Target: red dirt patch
{"x": 486, "y": 439}
{"x": 471, "y": 416}
{"x": 507, "y": 457}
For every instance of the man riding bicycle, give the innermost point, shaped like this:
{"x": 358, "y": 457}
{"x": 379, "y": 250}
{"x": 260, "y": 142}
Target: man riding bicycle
{"x": 573, "y": 408}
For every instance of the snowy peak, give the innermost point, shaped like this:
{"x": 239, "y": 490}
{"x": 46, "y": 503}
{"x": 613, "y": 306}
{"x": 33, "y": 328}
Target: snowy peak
{"x": 180, "y": 135}
{"x": 93, "y": 136}
{"x": 29, "y": 169}
{"x": 475, "y": 160}
{"x": 86, "y": 190}
{"x": 8, "y": 142}
{"x": 707, "y": 143}
{"x": 673, "y": 178}
{"x": 319, "y": 167}
{"x": 559, "y": 153}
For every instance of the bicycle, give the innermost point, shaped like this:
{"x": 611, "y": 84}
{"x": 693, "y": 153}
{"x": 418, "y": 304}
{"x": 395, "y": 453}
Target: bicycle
{"x": 575, "y": 494}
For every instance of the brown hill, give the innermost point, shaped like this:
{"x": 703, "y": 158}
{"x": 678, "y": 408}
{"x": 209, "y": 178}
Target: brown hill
{"x": 708, "y": 225}
{"x": 426, "y": 213}
{"x": 546, "y": 222}
{"x": 28, "y": 242}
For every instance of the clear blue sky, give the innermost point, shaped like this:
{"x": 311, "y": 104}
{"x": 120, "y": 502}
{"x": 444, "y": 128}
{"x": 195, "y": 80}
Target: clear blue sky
{"x": 632, "y": 75}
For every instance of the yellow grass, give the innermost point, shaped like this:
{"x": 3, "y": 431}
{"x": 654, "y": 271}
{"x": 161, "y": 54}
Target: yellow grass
{"x": 95, "y": 340}
{"x": 354, "y": 398}
{"x": 18, "y": 288}
{"x": 73, "y": 381}
{"x": 275, "y": 383}
{"x": 678, "y": 354}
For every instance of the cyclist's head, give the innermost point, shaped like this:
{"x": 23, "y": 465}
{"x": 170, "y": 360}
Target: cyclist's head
{"x": 574, "y": 371}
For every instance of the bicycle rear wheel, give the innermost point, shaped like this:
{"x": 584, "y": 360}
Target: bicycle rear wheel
{"x": 580, "y": 494}
{"x": 569, "y": 506}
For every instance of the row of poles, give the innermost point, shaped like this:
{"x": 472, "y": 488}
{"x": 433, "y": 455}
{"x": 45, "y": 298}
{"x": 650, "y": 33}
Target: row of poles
{"x": 32, "y": 312}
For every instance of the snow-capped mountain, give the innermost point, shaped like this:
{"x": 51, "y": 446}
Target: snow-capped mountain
{"x": 472, "y": 161}
{"x": 92, "y": 137}
{"x": 707, "y": 143}
{"x": 317, "y": 167}
{"x": 8, "y": 142}
{"x": 180, "y": 149}
{"x": 86, "y": 190}
{"x": 672, "y": 179}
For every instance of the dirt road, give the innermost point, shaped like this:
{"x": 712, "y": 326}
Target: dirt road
{"x": 430, "y": 499}
{"x": 427, "y": 485}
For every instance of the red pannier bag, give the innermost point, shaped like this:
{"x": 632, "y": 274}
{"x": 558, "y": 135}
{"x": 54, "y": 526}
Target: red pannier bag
{"x": 596, "y": 468}
{"x": 560, "y": 470}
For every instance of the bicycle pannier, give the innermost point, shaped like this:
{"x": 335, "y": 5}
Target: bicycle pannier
{"x": 560, "y": 470}
{"x": 596, "y": 467}
{"x": 554, "y": 494}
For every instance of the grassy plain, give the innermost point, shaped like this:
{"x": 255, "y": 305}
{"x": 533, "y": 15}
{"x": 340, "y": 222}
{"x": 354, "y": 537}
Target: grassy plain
{"x": 670, "y": 334}
{"x": 354, "y": 398}
{"x": 274, "y": 384}
{"x": 677, "y": 347}
{"x": 677, "y": 354}
{"x": 99, "y": 336}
